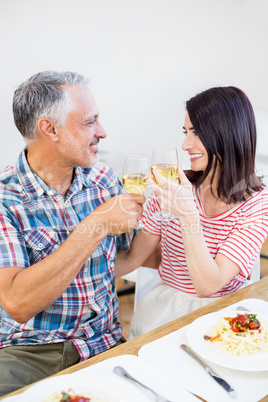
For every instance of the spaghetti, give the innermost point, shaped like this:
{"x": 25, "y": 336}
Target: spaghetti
{"x": 240, "y": 335}
{"x": 71, "y": 396}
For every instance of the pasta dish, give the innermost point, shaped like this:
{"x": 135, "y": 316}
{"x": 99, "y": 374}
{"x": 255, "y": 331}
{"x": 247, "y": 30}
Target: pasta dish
{"x": 240, "y": 335}
{"x": 70, "y": 396}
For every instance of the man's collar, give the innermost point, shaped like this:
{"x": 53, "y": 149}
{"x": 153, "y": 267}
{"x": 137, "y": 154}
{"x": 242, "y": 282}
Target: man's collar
{"x": 35, "y": 187}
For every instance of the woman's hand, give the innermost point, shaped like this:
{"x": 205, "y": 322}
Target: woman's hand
{"x": 173, "y": 197}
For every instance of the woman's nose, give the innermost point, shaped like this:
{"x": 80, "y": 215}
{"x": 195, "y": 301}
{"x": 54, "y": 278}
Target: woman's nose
{"x": 186, "y": 143}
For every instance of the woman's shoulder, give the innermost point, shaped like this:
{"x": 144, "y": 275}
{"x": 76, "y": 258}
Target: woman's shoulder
{"x": 258, "y": 196}
{"x": 256, "y": 202}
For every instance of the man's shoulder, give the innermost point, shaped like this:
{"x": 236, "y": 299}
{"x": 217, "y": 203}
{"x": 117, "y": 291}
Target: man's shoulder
{"x": 10, "y": 187}
{"x": 7, "y": 172}
{"x": 8, "y": 176}
{"x": 101, "y": 175}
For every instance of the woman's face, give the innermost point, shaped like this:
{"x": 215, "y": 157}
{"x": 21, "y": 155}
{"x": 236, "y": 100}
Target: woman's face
{"x": 195, "y": 148}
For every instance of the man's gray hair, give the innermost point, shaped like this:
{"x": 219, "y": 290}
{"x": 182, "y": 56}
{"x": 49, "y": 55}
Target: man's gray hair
{"x": 43, "y": 95}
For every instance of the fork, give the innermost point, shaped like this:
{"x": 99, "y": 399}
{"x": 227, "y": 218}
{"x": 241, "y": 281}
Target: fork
{"x": 123, "y": 373}
{"x": 241, "y": 308}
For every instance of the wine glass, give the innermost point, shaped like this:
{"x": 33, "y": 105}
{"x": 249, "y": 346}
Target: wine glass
{"x": 165, "y": 160}
{"x": 136, "y": 174}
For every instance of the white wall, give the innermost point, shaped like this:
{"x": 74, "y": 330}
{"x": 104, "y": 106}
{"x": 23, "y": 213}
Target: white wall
{"x": 144, "y": 59}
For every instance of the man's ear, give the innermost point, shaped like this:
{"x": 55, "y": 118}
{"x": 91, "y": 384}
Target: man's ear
{"x": 48, "y": 129}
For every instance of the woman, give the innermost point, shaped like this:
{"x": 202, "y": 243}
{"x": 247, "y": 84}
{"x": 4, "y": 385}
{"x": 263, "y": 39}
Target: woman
{"x": 220, "y": 213}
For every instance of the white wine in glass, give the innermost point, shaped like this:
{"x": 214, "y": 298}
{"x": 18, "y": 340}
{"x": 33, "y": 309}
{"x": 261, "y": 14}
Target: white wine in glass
{"x": 135, "y": 174}
{"x": 135, "y": 183}
{"x": 165, "y": 160}
{"x": 169, "y": 171}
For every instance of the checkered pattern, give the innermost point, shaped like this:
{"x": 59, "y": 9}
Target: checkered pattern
{"x": 34, "y": 221}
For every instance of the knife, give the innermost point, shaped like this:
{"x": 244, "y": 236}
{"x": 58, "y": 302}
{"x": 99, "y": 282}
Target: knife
{"x": 211, "y": 372}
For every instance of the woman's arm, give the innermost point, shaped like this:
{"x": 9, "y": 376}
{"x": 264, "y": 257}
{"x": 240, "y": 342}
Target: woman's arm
{"x": 208, "y": 274}
{"x": 142, "y": 246}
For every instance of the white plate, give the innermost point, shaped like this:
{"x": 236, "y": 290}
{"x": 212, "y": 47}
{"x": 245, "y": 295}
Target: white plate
{"x": 113, "y": 389}
{"x": 203, "y": 325}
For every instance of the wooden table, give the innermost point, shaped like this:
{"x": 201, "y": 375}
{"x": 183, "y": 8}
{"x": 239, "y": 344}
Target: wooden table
{"x": 258, "y": 290}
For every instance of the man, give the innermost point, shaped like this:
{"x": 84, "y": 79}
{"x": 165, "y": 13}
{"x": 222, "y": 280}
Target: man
{"x": 62, "y": 218}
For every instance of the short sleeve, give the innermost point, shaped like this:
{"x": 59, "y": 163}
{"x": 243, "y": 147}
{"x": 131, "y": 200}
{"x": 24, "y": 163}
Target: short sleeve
{"x": 245, "y": 241}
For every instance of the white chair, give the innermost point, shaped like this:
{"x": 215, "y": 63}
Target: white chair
{"x": 146, "y": 279}
{"x": 131, "y": 277}
{"x": 256, "y": 271}
{"x": 129, "y": 288}
{"x": 146, "y": 275}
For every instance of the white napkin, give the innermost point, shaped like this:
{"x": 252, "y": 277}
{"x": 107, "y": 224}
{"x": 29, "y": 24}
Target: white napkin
{"x": 166, "y": 355}
{"x": 11, "y": 398}
{"x": 139, "y": 369}
{"x": 146, "y": 374}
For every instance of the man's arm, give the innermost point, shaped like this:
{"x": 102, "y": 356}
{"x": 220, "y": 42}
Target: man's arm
{"x": 142, "y": 246}
{"x": 26, "y": 292}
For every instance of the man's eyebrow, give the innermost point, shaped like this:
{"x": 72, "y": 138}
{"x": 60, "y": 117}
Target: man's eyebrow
{"x": 92, "y": 116}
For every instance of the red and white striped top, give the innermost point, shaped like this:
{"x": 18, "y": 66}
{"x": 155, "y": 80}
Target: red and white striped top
{"x": 238, "y": 234}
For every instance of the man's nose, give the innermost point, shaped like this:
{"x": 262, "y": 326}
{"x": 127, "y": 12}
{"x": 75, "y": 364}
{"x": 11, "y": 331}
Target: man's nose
{"x": 101, "y": 133}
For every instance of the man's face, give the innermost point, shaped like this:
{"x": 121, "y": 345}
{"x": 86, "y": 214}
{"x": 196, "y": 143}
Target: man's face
{"x": 79, "y": 137}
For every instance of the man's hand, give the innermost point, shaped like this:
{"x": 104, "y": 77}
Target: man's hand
{"x": 121, "y": 213}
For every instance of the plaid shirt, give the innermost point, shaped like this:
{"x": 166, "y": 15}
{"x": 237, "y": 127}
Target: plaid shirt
{"x": 34, "y": 221}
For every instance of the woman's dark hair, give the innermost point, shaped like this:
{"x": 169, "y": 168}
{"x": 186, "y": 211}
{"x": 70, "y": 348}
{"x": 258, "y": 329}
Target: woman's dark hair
{"x": 224, "y": 120}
